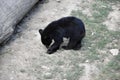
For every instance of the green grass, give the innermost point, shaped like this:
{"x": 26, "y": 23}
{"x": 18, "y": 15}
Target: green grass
{"x": 110, "y": 71}
{"x": 113, "y": 1}
{"x": 97, "y": 37}
{"x": 97, "y": 34}
{"x": 74, "y": 73}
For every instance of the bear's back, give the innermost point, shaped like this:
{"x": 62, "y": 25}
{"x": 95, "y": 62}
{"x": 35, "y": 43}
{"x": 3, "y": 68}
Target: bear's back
{"x": 67, "y": 23}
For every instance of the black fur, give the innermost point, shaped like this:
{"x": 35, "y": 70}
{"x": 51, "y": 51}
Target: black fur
{"x": 69, "y": 27}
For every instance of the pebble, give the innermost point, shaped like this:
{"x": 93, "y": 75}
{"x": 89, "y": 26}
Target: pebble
{"x": 45, "y": 67}
{"x": 11, "y": 78}
{"x": 114, "y": 52}
{"x": 87, "y": 61}
{"x": 22, "y": 71}
{"x": 48, "y": 75}
{"x": 58, "y": 1}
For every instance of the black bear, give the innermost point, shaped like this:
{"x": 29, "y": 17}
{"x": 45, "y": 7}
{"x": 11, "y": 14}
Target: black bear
{"x": 69, "y": 27}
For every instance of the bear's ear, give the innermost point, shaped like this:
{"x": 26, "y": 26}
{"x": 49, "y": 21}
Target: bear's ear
{"x": 40, "y": 31}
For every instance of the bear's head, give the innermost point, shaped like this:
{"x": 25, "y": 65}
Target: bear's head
{"x": 46, "y": 40}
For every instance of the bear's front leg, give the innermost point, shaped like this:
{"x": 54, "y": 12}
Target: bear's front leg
{"x": 58, "y": 39}
{"x": 53, "y": 48}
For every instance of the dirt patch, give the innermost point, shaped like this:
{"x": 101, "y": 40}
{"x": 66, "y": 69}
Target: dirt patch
{"x": 113, "y": 20}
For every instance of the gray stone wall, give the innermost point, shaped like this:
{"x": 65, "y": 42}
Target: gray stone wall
{"x": 11, "y": 12}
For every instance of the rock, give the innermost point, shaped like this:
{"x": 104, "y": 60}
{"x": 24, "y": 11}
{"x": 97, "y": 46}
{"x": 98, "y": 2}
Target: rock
{"x": 11, "y": 12}
{"x": 114, "y": 52}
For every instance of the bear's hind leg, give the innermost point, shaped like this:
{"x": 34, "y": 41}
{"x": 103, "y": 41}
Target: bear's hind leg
{"x": 72, "y": 43}
{"x": 78, "y": 45}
